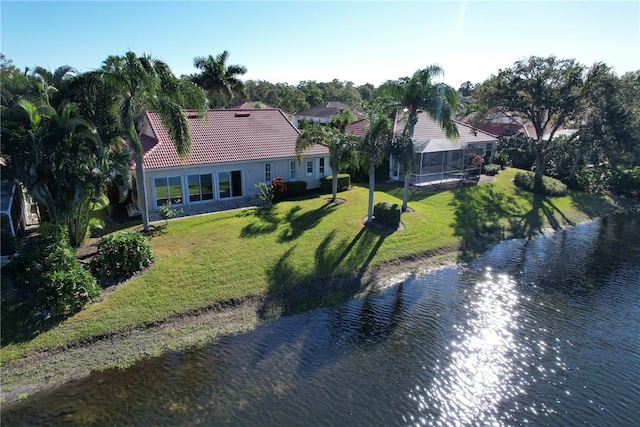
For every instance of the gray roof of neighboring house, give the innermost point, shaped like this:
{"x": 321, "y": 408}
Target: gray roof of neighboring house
{"x": 328, "y": 110}
{"x": 226, "y": 136}
{"x": 428, "y": 136}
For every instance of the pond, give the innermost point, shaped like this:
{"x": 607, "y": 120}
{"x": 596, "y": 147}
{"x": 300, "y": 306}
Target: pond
{"x": 535, "y": 332}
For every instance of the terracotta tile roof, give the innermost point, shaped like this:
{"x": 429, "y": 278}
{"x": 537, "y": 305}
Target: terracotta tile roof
{"x": 233, "y": 135}
{"x": 496, "y": 123}
{"x": 358, "y": 128}
{"x": 328, "y": 109}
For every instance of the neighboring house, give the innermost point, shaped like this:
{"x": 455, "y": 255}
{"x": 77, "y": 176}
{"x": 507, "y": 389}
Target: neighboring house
{"x": 323, "y": 113}
{"x": 497, "y": 123}
{"x": 13, "y": 208}
{"x": 438, "y": 158}
{"x": 232, "y": 150}
{"x": 16, "y": 208}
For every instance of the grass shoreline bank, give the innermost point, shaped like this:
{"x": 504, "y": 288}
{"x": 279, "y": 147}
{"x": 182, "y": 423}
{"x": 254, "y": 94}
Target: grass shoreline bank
{"x": 39, "y": 371}
{"x": 304, "y": 255}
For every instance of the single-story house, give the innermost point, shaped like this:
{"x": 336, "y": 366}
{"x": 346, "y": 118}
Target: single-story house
{"x": 232, "y": 150}
{"x": 440, "y": 159}
{"x": 497, "y": 123}
{"x": 323, "y": 113}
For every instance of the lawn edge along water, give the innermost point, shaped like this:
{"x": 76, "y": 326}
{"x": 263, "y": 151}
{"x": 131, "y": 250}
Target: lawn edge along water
{"x": 301, "y": 255}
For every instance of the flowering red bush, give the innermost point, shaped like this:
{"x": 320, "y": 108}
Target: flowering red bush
{"x": 278, "y": 188}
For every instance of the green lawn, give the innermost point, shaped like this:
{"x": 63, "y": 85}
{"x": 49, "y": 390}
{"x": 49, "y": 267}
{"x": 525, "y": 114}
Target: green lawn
{"x": 230, "y": 256}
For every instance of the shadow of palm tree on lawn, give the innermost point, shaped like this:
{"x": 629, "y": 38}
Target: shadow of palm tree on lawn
{"x": 484, "y": 216}
{"x": 291, "y": 291}
{"x": 292, "y": 225}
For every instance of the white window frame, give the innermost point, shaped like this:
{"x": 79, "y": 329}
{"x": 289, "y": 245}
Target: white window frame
{"x": 202, "y": 200}
{"x": 309, "y": 164}
{"x": 167, "y": 178}
{"x": 293, "y": 170}
{"x": 268, "y": 174}
{"x": 322, "y": 167}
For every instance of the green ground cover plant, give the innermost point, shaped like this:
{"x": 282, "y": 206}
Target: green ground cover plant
{"x": 551, "y": 186}
{"x": 302, "y": 245}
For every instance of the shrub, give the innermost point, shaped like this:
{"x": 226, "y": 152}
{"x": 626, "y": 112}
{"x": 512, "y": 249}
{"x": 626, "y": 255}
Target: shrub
{"x": 491, "y": 169}
{"x": 121, "y": 256}
{"x": 279, "y": 188}
{"x": 551, "y": 186}
{"x": 515, "y": 150}
{"x": 66, "y": 292}
{"x": 295, "y": 188}
{"x": 51, "y": 275}
{"x": 344, "y": 182}
{"x": 266, "y": 193}
{"x": 387, "y": 213}
{"x": 167, "y": 211}
{"x": 626, "y": 181}
{"x": 590, "y": 180}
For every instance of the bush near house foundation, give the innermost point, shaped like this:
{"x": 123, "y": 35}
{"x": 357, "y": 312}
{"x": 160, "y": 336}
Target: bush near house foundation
{"x": 344, "y": 182}
{"x": 491, "y": 169}
{"x": 295, "y": 189}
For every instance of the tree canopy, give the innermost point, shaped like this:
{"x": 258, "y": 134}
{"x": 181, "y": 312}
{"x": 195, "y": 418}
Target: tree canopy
{"x": 546, "y": 93}
{"x": 420, "y": 93}
{"x": 220, "y": 81}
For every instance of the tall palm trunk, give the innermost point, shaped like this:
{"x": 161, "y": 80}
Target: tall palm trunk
{"x": 334, "y": 181}
{"x": 408, "y": 163}
{"x": 372, "y": 183}
{"x": 142, "y": 192}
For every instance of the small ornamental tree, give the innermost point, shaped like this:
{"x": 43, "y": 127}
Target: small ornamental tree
{"x": 167, "y": 211}
{"x": 273, "y": 192}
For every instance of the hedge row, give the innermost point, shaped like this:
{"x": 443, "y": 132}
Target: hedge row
{"x": 344, "y": 182}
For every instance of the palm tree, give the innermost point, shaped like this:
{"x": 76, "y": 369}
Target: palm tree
{"x": 60, "y": 160}
{"x": 144, "y": 83}
{"x": 218, "y": 79}
{"x": 55, "y": 150}
{"x": 341, "y": 119}
{"x": 374, "y": 144}
{"x": 341, "y": 148}
{"x": 52, "y": 83}
{"x": 419, "y": 93}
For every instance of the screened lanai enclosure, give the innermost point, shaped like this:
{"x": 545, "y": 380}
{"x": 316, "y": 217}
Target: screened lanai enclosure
{"x": 440, "y": 160}
{"x": 434, "y": 165}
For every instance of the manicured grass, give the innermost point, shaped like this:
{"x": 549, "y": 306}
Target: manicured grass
{"x": 218, "y": 258}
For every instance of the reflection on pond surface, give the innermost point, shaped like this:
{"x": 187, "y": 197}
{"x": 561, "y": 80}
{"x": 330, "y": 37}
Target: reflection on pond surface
{"x": 537, "y": 332}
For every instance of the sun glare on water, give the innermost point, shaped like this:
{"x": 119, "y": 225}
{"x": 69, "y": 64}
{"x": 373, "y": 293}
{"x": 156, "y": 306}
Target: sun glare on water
{"x": 469, "y": 387}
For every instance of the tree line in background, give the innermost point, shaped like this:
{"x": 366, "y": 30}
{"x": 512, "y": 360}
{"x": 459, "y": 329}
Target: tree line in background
{"x": 71, "y": 138}
{"x": 64, "y": 133}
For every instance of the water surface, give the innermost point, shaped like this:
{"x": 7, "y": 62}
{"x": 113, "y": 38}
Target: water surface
{"x": 538, "y": 332}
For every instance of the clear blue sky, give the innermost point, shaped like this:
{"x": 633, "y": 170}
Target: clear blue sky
{"x": 354, "y": 41}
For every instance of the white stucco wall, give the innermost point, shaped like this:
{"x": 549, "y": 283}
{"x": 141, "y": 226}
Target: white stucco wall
{"x": 251, "y": 173}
